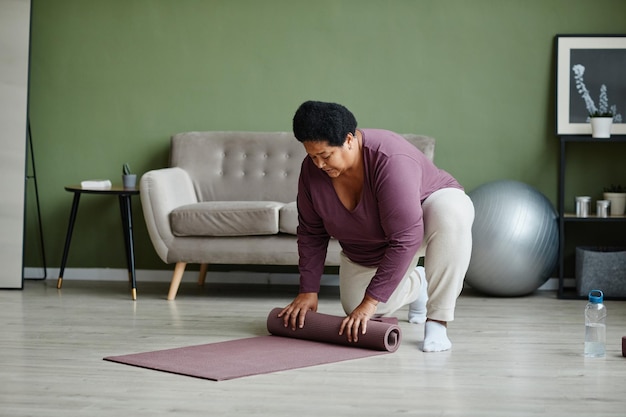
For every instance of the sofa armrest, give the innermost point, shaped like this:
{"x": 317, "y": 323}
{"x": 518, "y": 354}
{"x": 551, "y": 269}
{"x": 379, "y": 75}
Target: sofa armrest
{"x": 163, "y": 190}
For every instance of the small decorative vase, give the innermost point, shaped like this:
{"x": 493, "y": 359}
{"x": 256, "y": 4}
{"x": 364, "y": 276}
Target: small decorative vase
{"x": 617, "y": 206}
{"x": 601, "y": 127}
{"x": 129, "y": 180}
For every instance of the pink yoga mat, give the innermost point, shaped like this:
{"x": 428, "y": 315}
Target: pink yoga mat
{"x": 316, "y": 344}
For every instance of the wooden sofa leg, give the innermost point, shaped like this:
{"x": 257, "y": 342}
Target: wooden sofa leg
{"x": 202, "y": 274}
{"x": 179, "y": 269}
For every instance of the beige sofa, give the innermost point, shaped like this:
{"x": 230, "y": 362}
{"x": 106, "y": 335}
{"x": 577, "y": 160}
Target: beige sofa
{"x": 229, "y": 198}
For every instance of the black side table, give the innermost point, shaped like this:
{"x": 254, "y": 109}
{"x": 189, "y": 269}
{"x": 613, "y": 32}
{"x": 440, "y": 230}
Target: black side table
{"x": 124, "y": 195}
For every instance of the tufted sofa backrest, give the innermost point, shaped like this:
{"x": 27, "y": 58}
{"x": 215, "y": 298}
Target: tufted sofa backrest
{"x": 248, "y": 166}
{"x": 240, "y": 166}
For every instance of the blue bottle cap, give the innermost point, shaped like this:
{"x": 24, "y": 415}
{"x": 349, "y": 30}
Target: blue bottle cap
{"x": 596, "y": 296}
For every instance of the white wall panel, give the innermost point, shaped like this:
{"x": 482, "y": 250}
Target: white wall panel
{"x": 14, "y": 43}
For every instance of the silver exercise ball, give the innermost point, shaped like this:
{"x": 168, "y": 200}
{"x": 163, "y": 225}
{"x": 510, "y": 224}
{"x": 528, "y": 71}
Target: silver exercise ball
{"x": 515, "y": 239}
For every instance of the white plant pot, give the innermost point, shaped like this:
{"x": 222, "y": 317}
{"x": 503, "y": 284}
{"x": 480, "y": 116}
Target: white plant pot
{"x": 601, "y": 127}
{"x": 618, "y": 203}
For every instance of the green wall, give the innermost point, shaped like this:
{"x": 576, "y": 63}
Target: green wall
{"x": 111, "y": 80}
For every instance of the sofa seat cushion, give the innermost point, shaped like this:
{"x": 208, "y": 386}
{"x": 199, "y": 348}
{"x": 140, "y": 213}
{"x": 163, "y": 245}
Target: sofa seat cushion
{"x": 226, "y": 218}
{"x": 288, "y": 218}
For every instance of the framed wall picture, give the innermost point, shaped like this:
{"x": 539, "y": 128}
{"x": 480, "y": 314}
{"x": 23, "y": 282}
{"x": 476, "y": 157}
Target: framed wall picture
{"x": 590, "y": 76}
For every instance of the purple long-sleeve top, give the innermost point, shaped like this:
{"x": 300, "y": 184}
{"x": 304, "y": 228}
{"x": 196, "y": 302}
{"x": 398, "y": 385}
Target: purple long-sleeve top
{"x": 386, "y": 227}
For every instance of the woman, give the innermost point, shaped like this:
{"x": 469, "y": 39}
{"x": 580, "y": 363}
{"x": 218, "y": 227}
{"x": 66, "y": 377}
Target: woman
{"x": 387, "y": 205}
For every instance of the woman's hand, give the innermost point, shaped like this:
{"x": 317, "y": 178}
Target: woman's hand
{"x": 357, "y": 320}
{"x": 293, "y": 315}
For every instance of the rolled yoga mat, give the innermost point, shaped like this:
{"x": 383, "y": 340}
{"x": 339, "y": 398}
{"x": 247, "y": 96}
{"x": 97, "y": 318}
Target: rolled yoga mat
{"x": 316, "y": 344}
{"x": 382, "y": 333}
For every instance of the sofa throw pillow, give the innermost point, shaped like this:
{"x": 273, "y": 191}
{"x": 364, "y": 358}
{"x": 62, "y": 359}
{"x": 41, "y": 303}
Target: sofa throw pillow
{"x": 226, "y": 218}
{"x": 288, "y": 218}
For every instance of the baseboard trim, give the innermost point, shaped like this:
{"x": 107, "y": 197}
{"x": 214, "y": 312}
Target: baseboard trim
{"x": 229, "y": 277}
{"x": 143, "y": 275}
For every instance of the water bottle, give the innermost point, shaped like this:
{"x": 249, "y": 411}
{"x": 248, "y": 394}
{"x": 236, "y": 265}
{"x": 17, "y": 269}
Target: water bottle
{"x": 595, "y": 325}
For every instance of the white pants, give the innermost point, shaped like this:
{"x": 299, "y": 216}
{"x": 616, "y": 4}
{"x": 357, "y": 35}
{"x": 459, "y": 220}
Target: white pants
{"x": 446, "y": 248}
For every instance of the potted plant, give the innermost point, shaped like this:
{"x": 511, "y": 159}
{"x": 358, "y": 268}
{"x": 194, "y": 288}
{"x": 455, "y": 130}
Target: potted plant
{"x": 128, "y": 179}
{"x": 616, "y": 194}
{"x": 601, "y": 123}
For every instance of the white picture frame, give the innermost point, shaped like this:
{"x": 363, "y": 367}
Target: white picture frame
{"x": 584, "y": 63}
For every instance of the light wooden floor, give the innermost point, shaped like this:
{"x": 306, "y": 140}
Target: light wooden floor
{"x": 510, "y": 357}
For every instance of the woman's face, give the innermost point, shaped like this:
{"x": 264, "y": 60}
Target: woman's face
{"x": 333, "y": 160}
